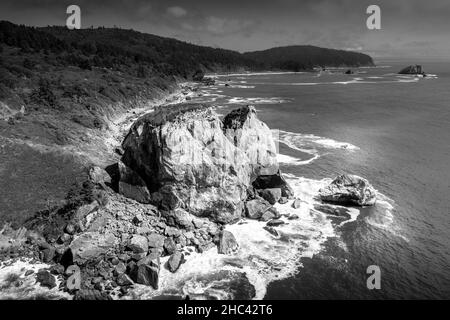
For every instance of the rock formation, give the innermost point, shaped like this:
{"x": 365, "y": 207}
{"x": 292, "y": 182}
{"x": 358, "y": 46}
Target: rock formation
{"x": 349, "y": 189}
{"x": 413, "y": 69}
{"x": 248, "y": 133}
{"x": 191, "y": 160}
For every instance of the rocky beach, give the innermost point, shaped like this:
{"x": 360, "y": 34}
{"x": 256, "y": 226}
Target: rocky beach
{"x": 188, "y": 185}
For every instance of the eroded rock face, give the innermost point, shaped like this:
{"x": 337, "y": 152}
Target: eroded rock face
{"x": 193, "y": 162}
{"x": 187, "y": 162}
{"x": 254, "y": 137}
{"x": 350, "y": 190}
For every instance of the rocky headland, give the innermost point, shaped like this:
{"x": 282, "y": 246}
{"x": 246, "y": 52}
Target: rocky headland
{"x": 184, "y": 175}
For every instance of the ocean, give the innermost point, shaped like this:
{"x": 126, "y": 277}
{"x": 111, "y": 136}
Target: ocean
{"x": 393, "y": 130}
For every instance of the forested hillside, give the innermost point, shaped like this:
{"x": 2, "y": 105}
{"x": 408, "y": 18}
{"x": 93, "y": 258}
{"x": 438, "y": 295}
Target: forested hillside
{"x": 297, "y": 58}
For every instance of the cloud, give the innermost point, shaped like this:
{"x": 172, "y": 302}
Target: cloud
{"x": 176, "y": 11}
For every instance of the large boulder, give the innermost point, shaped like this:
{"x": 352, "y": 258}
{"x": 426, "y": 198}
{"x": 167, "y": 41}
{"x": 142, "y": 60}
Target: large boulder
{"x": 191, "y": 160}
{"x": 91, "y": 245}
{"x": 175, "y": 261}
{"x": 254, "y": 209}
{"x": 45, "y": 279}
{"x": 254, "y": 137}
{"x": 187, "y": 162}
{"x": 146, "y": 271}
{"x": 349, "y": 190}
{"x": 227, "y": 243}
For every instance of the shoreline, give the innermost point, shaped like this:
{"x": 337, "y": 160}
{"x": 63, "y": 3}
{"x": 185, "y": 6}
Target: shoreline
{"x": 262, "y": 258}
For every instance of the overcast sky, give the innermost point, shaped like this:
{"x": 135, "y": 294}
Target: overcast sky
{"x": 409, "y": 27}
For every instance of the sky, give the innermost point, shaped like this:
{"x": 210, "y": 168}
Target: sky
{"x": 408, "y": 27}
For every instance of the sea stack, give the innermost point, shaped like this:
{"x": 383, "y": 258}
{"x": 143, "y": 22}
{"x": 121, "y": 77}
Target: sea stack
{"x": 349, "y": 190}
{"x": 191, "y": 160}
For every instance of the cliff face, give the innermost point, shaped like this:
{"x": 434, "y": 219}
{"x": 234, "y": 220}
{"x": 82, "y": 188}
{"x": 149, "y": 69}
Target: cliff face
{"x": 248, "y": 133}
{"x": 191, "y": 160}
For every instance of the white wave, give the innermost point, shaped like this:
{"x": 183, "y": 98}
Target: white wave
{"x": 285, "y": 159}
{"x": 241, "y": 100}
{"x": 309, "y": 142}
{"x": 252, "y": 74}
{"x": 236, "y": 86}
{"x": 383, "y": 217}
{"x": 26, "y": 287}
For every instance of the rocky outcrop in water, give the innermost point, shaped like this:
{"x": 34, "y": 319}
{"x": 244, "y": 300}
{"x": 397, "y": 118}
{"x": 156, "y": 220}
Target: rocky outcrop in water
{"x": 349, "y": 190}
{"x": 192, "y": 160}
{"x": 413, "y": 69}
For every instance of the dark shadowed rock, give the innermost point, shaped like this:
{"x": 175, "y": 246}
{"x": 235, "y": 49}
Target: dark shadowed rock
{"x": 131, "y": 185}
{"x": 45, "y": 279}
{"x": 254, "y": 209}
{"x": 271, "y": 195}
{"x": 146, "y": 271}
{"x": 293, "y": 217}
{"x": 227, "y": 243}
{"x": 349, "y": 190}
{"x": 198, "y": 75}
{"x": 175, "y": 261}
{"x": 272, "y": 231}
{"x": 274, "y": 181}
{"x": 275, "y": 223}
